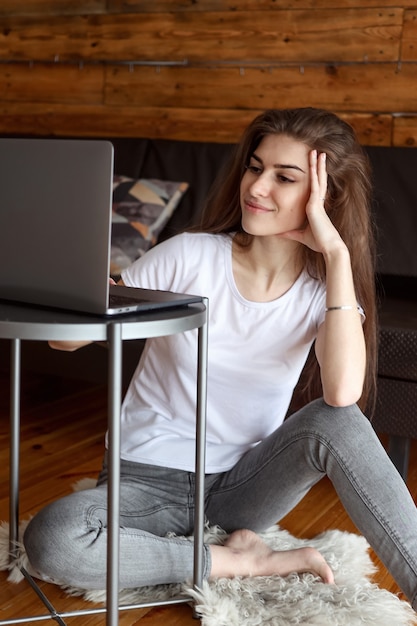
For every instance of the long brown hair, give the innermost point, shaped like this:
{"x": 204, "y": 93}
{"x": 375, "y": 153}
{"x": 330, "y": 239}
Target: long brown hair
{"x": 347, "y": 204}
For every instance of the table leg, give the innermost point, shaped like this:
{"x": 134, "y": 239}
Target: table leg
{"x": 15, "y": 367}
{"x": 200, "y": 451}
{"x": 113, "y": 538}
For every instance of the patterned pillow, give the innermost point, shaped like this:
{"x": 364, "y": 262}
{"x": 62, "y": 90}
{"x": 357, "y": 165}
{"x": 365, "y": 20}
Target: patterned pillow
{"x": 141, "y": 208}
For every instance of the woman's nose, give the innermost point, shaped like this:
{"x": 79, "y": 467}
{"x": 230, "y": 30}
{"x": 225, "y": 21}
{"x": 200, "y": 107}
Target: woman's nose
{"x": 261, "y": 185}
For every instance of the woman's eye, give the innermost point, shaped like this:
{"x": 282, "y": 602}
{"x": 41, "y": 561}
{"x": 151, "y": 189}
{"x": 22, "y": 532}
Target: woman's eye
{"x": 284, "y": 179}
{"x": 255, "y": 169}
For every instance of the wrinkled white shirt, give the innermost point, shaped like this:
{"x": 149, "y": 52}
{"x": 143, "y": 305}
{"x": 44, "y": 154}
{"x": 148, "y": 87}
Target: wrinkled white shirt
{"x": 255, "y": 355}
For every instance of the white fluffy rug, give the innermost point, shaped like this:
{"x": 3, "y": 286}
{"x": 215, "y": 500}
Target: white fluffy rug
{"x": 275, "y": 601}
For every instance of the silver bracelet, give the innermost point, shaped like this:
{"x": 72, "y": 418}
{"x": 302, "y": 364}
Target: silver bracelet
{"x": 344, "y": 307}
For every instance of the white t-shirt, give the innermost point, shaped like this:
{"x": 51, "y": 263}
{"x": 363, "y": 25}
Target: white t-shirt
{"x": 256, "y": 352}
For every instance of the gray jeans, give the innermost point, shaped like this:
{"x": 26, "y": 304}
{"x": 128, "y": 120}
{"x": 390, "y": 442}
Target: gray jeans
{"x": 67, "y": 540}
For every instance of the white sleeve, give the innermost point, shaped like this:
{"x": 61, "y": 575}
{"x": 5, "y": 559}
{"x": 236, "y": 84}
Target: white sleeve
{"x": 158, "y": 268}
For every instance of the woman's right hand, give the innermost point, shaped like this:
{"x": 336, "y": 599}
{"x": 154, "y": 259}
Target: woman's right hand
{"x": 71, "y": 346}
{"x": 68, "y": 346}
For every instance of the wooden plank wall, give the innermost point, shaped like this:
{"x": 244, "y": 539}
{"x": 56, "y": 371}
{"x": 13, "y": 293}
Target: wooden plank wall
{"x": 202, "y": 69}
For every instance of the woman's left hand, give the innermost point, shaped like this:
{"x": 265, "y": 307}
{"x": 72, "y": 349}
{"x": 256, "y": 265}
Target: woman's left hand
{"x": 319, "y": 234}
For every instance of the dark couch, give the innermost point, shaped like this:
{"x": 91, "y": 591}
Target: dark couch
{"x": 395, "y": 209}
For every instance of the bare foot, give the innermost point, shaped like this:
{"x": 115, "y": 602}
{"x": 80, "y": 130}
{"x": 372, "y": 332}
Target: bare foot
{"x": 245, "y": 554}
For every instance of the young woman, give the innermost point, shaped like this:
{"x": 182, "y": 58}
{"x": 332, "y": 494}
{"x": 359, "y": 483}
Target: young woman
{"x": 285, "y": 255}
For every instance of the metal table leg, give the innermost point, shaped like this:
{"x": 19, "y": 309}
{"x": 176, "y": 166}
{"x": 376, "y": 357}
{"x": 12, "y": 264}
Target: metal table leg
{"x": 200, "y": 451}
{"x": 113, "y": 537}
{"x": 14, "y": 481}
{"x": 114, "y": 403}
{"x": 15, "y": 367}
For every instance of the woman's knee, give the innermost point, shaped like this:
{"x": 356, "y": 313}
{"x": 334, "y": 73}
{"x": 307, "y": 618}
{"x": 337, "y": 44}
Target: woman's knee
{"x": 324, "y": 418}
{"x": 56, "y": 540}
{"x": 340, "y": 429}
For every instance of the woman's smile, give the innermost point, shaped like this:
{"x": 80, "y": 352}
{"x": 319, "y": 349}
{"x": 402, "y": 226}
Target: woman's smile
{"x": 254, "y": 207}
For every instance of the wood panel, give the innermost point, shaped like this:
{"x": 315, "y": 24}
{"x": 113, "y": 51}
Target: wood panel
{"x": 340, "y": 35}
{"x": 75, "y": 7}
{"x": 405, "y": 131}
{"x": 51, "y": 7}
{"x": 216, "y": 125}
{"x": 201, "y": 69}
{"x": 52, "y": 83}
{"x": 384, "y": 87}
{"x": 220, "y": 125}
{"x": 245, "y": 5}
{"x": 409, "y": 39}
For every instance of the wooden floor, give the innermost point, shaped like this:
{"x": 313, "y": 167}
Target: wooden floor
{"x": 62, "y": 441}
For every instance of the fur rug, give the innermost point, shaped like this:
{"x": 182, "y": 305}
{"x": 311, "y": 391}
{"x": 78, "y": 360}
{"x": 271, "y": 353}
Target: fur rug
{"x": 273, "y": 601}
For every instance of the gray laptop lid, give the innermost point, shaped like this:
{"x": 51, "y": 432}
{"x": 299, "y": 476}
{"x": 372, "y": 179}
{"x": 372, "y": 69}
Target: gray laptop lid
{"x": 55, "y": 226}
{"x": 55, "y": 220}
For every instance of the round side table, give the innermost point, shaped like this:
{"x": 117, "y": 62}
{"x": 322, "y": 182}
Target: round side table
{"x": 21, "y": 322}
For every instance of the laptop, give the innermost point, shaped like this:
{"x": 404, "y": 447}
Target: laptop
{"x": 55, "y": 229}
